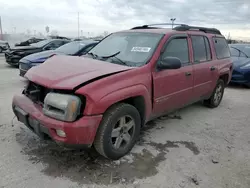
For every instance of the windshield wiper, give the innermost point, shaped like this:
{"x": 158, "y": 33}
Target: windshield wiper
{"x": 114, "y": 56}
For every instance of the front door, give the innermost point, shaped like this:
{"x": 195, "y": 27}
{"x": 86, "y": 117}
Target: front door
{"x": 173, "y": 88}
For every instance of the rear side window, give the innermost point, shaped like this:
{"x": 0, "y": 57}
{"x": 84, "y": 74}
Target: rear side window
{"x": 177, "y": 47}
{"x": 221, "y": 48}
{"x": 201, "y": 48}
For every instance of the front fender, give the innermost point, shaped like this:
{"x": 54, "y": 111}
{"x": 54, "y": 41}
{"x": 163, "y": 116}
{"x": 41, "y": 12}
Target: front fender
{"x": 99, "y": 107}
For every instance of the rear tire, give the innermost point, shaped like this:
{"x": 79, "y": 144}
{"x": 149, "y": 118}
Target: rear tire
{"x": 118, "y": 131}
{"x": 217, "y": 95}
{"x": 1, "y": 50}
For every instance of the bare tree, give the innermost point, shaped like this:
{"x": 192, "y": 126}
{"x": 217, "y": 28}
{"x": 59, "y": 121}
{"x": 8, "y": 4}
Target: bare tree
{"x": 54, "y": 33}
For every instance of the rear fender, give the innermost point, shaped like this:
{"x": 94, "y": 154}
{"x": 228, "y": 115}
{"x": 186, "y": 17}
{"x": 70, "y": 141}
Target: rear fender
{"x": 99, "y": 107}
{"x": 226, "y": 71}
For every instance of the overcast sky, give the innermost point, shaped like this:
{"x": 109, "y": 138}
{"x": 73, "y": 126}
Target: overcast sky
{"x": 97, "y": 16}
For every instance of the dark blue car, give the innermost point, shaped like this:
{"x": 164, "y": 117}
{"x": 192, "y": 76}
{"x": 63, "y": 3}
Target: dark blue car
{"x": 75, "y": 48}
{"x": 240, "y": 54}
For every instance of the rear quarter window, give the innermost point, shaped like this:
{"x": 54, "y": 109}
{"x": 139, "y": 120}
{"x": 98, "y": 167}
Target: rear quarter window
{"x": 221, "y": 47}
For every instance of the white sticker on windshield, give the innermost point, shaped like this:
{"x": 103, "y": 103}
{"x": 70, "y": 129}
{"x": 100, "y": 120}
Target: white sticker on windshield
{"x": 140, "y": 49}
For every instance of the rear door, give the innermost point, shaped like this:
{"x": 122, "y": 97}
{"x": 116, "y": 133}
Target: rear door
{"x": 173, "y": 88}
{"x": 205, "y": 69}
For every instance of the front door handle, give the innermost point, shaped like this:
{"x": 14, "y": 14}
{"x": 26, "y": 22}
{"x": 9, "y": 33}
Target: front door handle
{"x": 212, "y": 68}
{"x": 188, "y": 73}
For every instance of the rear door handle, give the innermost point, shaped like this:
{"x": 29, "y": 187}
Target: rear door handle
{"x": 188, "y": 73}
{"x": 212, "y": 68}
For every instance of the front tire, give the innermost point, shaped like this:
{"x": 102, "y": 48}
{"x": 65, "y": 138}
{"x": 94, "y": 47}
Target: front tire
{"x": 118, "y": 131}
{"x": 215, "y": 99}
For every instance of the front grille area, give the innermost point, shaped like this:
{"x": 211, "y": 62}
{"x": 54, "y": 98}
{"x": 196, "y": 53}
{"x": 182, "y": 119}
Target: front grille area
{"x": 36, "y": 92}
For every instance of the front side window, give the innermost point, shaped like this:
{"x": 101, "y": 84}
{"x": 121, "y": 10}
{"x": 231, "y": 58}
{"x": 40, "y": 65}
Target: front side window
{"x": 177, "y": 47}
{"x": 132, "y": 48}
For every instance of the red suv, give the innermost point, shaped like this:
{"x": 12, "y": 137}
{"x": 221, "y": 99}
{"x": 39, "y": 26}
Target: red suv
{"x": 105, "y": 97}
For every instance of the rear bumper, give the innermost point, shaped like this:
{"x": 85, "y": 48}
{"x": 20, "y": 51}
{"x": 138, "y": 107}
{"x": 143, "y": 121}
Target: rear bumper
{"x": 80, "y": 133}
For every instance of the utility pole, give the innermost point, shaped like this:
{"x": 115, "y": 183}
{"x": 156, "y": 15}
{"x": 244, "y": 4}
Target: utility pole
{"x": 172, "y": 20}
{"x": 1, "y": 30}
{"x": 78, "y": 25}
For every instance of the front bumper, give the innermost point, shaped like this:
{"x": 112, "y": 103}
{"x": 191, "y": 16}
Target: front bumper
{"x": 4, "y": 47}
{"x": 23, "y": 68}
{"x": 12, "y": 59}
{"x": 240, "y": 77}
{"x": 79, "y": 133}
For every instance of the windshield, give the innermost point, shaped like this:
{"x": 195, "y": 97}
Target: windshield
{"x": 72, "y": 47}
{"x": 133, "y": 48}
{"x": 41, "y": 43}
{"x": 240, "y": 50}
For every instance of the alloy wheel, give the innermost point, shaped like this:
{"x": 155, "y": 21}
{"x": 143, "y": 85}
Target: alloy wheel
{"x": 122, "y": 132}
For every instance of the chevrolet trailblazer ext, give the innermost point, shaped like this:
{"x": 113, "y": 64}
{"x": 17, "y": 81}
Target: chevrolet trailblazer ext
{"x": 104, "y": 98}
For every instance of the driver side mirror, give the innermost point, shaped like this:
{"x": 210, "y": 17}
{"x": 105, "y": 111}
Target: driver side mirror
{"x": 169, "y": 63}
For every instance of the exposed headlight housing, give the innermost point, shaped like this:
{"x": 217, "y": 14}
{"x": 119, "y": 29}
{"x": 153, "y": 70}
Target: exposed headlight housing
{"x": 62, "y": 106}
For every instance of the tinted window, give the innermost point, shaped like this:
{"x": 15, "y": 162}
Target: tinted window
{"x": 41, "y": 43}
{"x": 221, "y": 48}
{"x": 234, "y": 52}
{"x": 135, "y": 48}
{"x": 199, "y": 48}
{"x": 242, "y": 50}
{"x": 57, "y": 43}
{"x": 72, "y": 47}
{"x": 177, "y": 48}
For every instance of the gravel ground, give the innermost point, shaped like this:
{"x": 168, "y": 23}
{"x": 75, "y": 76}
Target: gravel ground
{"x": 195, "y": 147}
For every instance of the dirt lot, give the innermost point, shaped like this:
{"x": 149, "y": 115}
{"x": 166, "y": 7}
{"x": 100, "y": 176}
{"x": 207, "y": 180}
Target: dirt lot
{"x": 195, "y": 147}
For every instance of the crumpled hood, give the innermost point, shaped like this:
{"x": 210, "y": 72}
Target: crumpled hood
{"x": 68, "y": 72}
{"x": 240, "y": 61}
{"x": 41, "y": 56}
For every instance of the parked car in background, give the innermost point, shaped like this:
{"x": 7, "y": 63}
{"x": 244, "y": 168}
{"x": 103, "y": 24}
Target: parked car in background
{"x": 76, "y": 48}
{"x": 129, "y": 78}
{"x": 240, "y": 54}
{"x": 29, "y": 41}
{"x": 58, "y": 37}
{"x": 13, "y": 55}
{"x": 4, "y": 45}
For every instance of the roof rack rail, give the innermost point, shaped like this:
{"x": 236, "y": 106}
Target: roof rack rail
{"x": 179, "y": 27}
{"x": 203, "y": 29}
{"x": 159, "y": 24}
